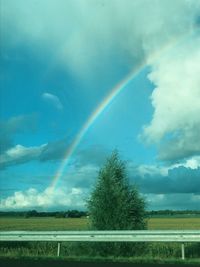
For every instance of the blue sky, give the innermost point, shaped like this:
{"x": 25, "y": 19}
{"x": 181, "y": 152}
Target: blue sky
{"x": 60, "y": 60}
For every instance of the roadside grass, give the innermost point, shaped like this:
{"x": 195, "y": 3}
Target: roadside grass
{"x": 79, "y": 249}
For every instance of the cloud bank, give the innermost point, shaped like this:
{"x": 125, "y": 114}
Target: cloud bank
{"x": 47, "y": 199}
{"x": 178, "y": 189}
{"x": 176, "y": 101}
{"x": 178, "y": 180}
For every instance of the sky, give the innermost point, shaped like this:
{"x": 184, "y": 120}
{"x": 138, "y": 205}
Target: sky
{"x": 80, "y": 78}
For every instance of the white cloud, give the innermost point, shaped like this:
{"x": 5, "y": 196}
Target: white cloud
{"x": 20, "y": 154}
{"x": 176, "y": 102}
{"x": 53, "y": 99}
{"x": 71, "y": 192}
{"x": 19, "y": 151}
{"x": 152, "y": 170}
{"x": 47, "y": 199}
{"x": 192, "y": 163}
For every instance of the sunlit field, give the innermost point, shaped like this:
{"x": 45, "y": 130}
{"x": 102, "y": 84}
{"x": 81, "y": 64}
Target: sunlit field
{"x": 83, "y": 223}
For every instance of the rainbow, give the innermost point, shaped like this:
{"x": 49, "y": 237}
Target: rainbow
{"x": 95, "y": 114}
{"x": 107, "y": 101}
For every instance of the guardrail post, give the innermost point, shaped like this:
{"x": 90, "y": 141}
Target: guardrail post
{"x": 58, "y": 251}
{"x": 183, "y": 251}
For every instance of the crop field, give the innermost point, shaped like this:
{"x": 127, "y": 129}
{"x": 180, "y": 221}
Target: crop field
{"x": 51, "y": 223}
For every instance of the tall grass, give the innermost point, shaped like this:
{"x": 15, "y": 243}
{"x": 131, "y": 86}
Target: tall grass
{"x": 79, "y": 249}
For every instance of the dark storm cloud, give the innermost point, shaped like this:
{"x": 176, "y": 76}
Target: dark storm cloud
{"x": 13, "y": 126}
{"x": 54, "y": 150}
{"x": 178, "y": 201}
{"x": 14, "y": 154}
{"x": 46, "y": 152}
{"x": 187, "y": 144}
{"x": 178, "y": 180}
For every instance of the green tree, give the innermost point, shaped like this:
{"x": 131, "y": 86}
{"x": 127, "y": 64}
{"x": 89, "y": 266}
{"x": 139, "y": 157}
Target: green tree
{"x": 114, "y": 203}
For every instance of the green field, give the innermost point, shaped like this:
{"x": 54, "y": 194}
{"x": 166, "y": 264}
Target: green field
{"x": 43, "y": 223}
{"x": 83, "y": 223}
{"x": 174, "y": 223}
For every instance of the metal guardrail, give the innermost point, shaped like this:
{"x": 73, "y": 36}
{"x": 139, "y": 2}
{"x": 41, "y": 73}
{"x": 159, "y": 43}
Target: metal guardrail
{"x": 181, "y": 236}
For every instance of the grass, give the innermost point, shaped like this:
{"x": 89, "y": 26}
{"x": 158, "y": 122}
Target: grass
{"x": 90, "y": 250}
{"x": 158, "y": 252}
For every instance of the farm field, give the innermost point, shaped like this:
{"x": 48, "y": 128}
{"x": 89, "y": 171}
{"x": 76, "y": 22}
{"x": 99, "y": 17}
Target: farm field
{"x": 51, "y": 223}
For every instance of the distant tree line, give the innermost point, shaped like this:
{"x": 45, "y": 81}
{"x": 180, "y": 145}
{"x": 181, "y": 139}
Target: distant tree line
{"x": 34, "y": 213}
{"x": 172, "y": 212}
{"x": 79, "y": 214}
